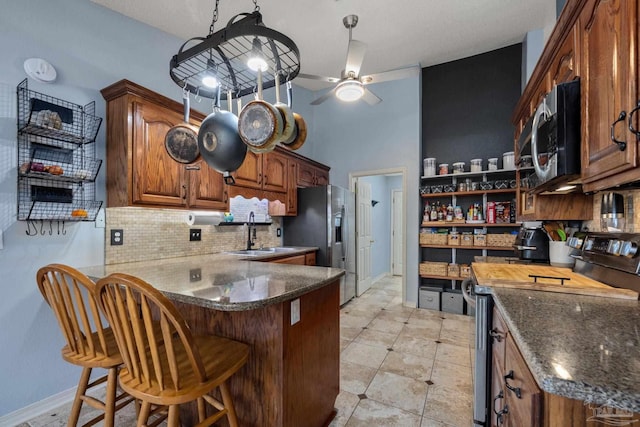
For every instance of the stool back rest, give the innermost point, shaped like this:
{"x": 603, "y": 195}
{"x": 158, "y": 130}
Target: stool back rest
{"x": 71, "y": 296}
{"x": 149, "y": 331}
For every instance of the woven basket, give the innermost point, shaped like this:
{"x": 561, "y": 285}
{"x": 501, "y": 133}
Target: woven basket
{"x": 433, "y": 268}
{"x": 466, "y": 240}
{"x": 453, "y": 270}
{"x": 480, "y": 240}
{"x": 505, "y": 240}
{"x": 433, "y": 239}
{"x": 465, "y": 270}
{"x": 453, "y": 240}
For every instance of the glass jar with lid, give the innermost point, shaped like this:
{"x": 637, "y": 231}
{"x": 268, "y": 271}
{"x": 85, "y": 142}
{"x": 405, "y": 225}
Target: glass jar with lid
{"x": 458, "y": 167}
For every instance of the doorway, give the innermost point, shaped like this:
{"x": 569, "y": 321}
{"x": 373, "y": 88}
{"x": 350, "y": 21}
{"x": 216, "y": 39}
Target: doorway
{"x": 380, "y": 206}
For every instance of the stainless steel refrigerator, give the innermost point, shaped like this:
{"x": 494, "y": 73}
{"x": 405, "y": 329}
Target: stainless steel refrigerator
{"x": 326, "y": 219}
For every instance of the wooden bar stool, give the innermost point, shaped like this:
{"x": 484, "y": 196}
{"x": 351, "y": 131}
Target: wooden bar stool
{"x": 90, "y": 342}
{"x": 171, "y": 366}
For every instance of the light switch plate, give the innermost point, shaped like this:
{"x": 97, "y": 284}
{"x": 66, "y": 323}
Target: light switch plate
{"x": 295, "y": 311}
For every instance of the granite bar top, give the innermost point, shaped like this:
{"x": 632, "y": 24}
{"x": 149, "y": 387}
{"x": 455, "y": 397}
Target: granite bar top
{"x": 225, "y": 282}
{"x": 581, "y": 347}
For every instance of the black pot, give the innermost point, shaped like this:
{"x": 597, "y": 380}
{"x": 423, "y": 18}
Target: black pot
{"x": 219, "y": 142}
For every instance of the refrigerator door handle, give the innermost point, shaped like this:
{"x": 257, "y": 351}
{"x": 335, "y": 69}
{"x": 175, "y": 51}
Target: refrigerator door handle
{"x": 345, "y": 235}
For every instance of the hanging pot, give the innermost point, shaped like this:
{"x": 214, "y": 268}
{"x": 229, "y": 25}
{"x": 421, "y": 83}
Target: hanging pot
{"x": 181, "y": 141}
{"x": 260, "y": 123}
{"x": 300, "y": 129}
{"x": 289, "y": 122}
{"x": 219, "y": 142}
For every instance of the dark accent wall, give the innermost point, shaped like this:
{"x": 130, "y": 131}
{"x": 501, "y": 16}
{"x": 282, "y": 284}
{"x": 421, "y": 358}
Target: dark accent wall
{"x": 467, "y": 106}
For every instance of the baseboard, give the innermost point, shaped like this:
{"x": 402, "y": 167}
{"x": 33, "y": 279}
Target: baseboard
{"x": 36, "y": 409}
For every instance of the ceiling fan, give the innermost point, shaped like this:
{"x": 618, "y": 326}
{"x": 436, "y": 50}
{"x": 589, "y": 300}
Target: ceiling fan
{"x": 351, "y": 86}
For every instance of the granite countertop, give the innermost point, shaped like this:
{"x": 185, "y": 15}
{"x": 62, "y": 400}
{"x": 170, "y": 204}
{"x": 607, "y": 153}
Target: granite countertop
{"x": 581, "y": 347}
{"x": 225, "y": 282}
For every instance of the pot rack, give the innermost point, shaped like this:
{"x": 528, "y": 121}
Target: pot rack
{"x": 226, "y": 52}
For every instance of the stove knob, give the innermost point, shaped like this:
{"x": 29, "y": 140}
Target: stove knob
{"x": 629, "y": 249}
{"x": 614, "y": 247}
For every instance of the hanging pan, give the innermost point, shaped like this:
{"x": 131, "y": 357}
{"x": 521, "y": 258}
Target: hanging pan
{"x": 288, "y": 121}
{"x": 300, "y": 128}
{"x": 181, "y": 141}
{"x": 260, "y": 124}
{"x": 219, "y": 142}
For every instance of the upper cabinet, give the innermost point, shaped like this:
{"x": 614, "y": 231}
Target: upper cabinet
{"x": 609, "y": 70}
{"x": 310, "y": 175}
{"x": 140, "y": 172}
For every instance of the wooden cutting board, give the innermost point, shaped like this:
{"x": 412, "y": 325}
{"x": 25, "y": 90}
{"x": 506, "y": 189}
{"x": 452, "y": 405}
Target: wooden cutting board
{"x": 519, "y": 276}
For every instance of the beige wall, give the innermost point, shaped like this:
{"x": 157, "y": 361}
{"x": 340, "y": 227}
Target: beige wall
{"x": 163, "y": 233}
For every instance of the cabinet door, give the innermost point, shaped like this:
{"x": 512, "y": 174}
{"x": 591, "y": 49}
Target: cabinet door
{"x": 274, "y": 172}
{"x": 292, "y": 188}
{"x": 297, "y": 260}
{"x": 564, "y": 67}
{"x": 609, "y": 29}
{"x": 249, "y": 174}
{"x": 157, "y": 178}
{"x": 306, "y": 175}
{"x": 206, "y": 187}
{"x": 498, "y": 418}
{"x": 322, "y": 177}
{"x": 524, "y": 410}
{"x": 310, "y": 258}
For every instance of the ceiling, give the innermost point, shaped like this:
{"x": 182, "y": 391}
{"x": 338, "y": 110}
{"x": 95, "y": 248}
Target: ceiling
{"x": 398, "y": 33}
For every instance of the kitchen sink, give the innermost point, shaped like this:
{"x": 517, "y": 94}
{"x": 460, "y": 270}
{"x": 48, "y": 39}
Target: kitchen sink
{"x": 260, "y": 252}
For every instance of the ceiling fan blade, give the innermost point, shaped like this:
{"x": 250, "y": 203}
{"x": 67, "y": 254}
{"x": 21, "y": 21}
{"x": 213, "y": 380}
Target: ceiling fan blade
{"x": 385, "y": 76}
{"x": 324, "y": 97}
{"x": 355, "y": 56}
{"x": 370, "y": 97}
{"x": 321, "y": 78}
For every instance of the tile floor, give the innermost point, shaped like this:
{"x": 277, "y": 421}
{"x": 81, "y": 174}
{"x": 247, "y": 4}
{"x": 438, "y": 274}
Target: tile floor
{"x": 400, "y": 366}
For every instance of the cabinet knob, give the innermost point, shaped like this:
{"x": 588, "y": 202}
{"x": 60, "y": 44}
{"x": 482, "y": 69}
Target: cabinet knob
{"x": 622, "y": 145}
{"x": 515, "y": 390}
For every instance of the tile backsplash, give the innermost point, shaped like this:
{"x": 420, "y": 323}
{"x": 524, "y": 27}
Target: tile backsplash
{"x": 163, "y": 233}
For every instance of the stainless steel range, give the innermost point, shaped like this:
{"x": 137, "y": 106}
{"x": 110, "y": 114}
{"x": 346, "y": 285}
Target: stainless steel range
{"x": 610, "y": 258}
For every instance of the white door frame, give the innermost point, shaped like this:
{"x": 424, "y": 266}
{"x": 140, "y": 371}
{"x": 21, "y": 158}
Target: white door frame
{"x": 353, "y": 176}
{"x": 394, "y": 236}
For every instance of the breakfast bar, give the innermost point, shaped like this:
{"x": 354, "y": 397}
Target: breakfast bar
{"x": 287, "y": 314}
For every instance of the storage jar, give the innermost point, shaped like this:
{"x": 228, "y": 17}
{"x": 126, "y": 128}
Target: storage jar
{"x": 476, "y": 165}
{"x": 458, "y": 167}
{"x": 525, "y": 161}
{"x": 443, "y": 169}
{"x": 508, "y": 160}
{"x": 429, "y": 165}
{"x": 493, "y": 164}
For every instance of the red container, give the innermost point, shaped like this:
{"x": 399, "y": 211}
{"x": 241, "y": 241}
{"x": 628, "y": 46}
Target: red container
{"x": 491, "y": 212}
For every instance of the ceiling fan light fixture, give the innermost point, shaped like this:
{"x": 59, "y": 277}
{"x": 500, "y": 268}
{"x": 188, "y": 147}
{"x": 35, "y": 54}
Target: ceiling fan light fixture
{"x": 349, "y": 91}
{"x": 256, "y": 60}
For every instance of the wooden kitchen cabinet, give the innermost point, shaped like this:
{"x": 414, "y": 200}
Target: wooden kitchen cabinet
{"x": 310, "y": 175}
{"x": 609, "y": 32}
{"x": 140, "y": 172}
{"x": 517, "y": 399}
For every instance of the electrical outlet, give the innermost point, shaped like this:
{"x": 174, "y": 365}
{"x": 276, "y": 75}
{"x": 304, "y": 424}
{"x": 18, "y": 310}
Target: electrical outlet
{"x": 195, "y": 275}
{"x": 278, "y": 232}
{"x": 195, "y": 234}
{"x": 117, "y": 237}
{"x": 295, "y": 311}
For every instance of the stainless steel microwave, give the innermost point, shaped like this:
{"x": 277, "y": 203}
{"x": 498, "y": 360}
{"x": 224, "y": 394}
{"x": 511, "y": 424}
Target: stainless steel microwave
{"x": 553, "y": 136}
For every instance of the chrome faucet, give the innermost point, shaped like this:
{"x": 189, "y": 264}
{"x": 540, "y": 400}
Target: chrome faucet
{"x": 251, "y": 225}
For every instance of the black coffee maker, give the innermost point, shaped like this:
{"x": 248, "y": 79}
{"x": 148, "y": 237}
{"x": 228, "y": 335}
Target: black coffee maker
{"x": 532, "y": 243}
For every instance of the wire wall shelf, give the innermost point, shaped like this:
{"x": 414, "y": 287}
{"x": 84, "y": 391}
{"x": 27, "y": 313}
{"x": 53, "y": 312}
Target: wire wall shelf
{"x": 57, "y": 167}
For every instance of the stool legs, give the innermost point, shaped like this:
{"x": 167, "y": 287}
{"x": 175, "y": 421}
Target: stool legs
{"x": 80, "y": 392}
{"x": 228, "y": 404}
{"x": 110, "y": 400}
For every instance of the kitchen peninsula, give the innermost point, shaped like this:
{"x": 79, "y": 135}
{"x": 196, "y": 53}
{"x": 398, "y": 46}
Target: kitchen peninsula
{"x": 288, "y": 314}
